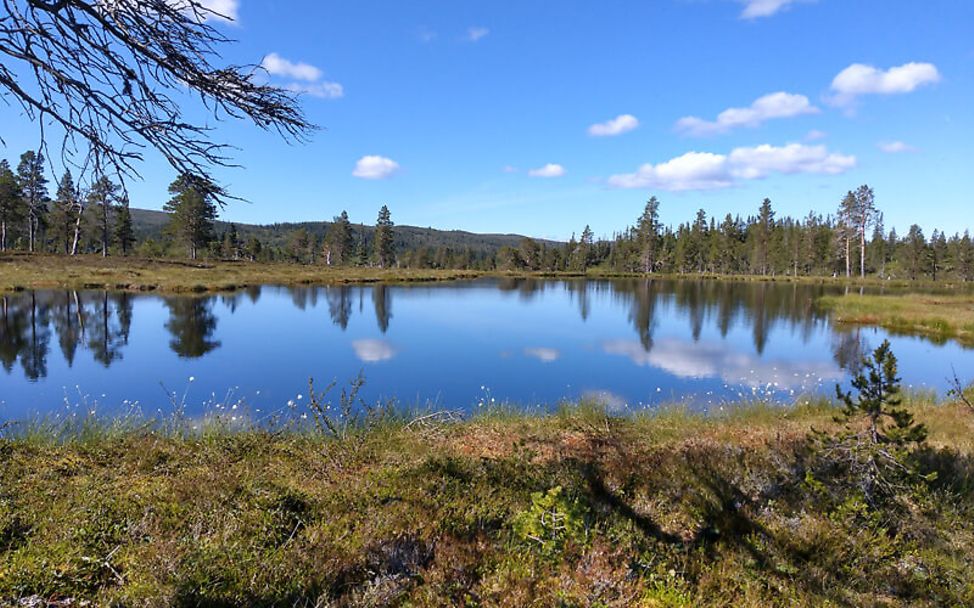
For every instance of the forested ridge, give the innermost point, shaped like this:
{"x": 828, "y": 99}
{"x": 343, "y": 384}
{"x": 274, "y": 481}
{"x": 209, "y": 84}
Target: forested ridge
{"x": 850, "y": 239}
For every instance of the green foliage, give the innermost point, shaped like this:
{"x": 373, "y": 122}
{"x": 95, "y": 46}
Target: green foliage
{"x": 192, "y": 212}
{"x": 874, "y": 453}
{"x": 385, "y": 248}
{"x": 553, "y": 521}
{"x": 879, "y": 400}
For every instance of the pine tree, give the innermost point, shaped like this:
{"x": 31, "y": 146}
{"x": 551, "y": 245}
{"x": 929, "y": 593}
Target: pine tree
{"x": 878, "y": 456}
{"x": 385, "y": 252}
{"x": 103, "y": 197}
{"x": 939, "y": 262}
{"x": 845, "y": 230}
{"x": 297, "y": 245}
{"x": 339, "y": 242}
{"x": 33, "y": 189}
{"x": 230, "y": 247}
{"x": 124, "y": 231}
{"x": 864, "y": 212}
{"x": 254, "y": 249}
{"x": 915, "y": 250}
{"x": 192, "y": 211}
{"x": 965, "y": 262}
{"x": 11, "y": 203}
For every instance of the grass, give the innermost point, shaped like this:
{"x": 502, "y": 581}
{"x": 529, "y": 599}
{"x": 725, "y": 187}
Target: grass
{"x": 573, "y": 509}
{"x": 939, "y": 317}
{"x": 20, "y": 271}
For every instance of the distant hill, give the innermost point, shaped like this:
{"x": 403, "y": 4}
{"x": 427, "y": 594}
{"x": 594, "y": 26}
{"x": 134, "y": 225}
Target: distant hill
{"x": 150, "y": 224}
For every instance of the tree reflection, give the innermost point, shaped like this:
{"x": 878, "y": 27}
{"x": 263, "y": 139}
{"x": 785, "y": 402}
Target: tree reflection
{"x": 109, "y": 327}
{"x": 382, "y": 300}
{"x": 191, "y": 325}
{"x": 339, "y": 305}
{"x": 13, "y": 338}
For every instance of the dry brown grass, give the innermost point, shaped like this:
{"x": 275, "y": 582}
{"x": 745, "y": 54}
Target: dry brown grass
{"x": 19, "y": 271}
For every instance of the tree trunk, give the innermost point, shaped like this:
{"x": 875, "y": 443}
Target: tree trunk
{"x": 862, "y": 252}
{"x": 848, "y": 256}
{"x": 77, "y": 236}
{"x": 3, "y": 235}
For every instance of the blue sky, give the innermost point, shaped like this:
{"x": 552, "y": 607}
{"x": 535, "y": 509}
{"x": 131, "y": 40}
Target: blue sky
{"x": 538, "y": 117}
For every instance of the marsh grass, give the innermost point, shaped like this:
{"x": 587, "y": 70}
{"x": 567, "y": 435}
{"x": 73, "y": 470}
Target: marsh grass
{"x": 579, "y": 507}
{"x": 937, "y": 317}
{"x": 20, "y": 272}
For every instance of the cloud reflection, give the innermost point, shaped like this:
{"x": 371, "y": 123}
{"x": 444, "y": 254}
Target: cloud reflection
{"x": 543, "y": 354}
{"x": 717, "y": 360}
{"x": 373, "y": 351}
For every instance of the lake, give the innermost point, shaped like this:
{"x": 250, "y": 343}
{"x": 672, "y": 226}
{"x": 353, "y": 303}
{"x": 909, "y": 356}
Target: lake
{"x": 630, "y": 343}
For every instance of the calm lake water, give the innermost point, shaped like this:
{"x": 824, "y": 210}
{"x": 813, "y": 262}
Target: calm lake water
{"x": 631, "y": 343}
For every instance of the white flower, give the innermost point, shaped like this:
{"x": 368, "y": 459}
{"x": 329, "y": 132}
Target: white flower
{"x": 192, "y": 378}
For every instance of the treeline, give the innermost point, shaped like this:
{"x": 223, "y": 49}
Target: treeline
{"x": 850, "y": 241}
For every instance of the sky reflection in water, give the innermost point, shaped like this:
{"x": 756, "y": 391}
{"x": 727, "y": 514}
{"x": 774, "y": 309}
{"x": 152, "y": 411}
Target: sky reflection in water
{"x": 630, "y": 344}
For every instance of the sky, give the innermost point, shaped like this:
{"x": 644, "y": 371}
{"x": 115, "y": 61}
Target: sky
{"x": 536, "y": 117}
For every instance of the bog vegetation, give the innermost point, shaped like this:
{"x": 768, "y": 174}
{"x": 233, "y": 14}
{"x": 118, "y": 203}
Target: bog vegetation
{"x": 868, "y": 505}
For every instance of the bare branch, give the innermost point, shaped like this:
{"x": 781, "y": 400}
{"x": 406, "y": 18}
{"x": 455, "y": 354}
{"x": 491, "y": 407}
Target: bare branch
{"x": 112, "y": 74}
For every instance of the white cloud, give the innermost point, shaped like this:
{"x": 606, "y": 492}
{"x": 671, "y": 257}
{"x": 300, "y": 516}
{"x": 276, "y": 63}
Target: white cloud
{"x": 896, "y": 147}
{"x": 773, "y": 105}
{"x": 474, "y": 34}
{"x": 373, "y": 351}
{"x": 549, "y": 170}
{"x": 279, "y": 66}
{"x": 760, "y": 161}
{"x": 322, "y": 90}
{"x": 305, "y": 78}
{"x": 718, "y": 360}
{"x": 617, "y": 126}
{"x": 692, "y": 171}
{"x": 543, "y": 354}
{"x": 754, "y": 9}
{"x": 859, "y": 79}
{"x": 815, "y": 135}
{"x": 709, "y": 171}
{"x": 375, "y": 167}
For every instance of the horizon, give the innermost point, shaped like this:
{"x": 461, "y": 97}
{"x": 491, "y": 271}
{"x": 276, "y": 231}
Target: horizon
{"x": 493, "y": 121}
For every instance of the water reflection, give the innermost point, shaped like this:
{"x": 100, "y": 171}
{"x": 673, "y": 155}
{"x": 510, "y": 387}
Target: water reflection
{"x": 191, "y": 325}
{"x": 373, "y": 351}
{"x": 614, "y": 334}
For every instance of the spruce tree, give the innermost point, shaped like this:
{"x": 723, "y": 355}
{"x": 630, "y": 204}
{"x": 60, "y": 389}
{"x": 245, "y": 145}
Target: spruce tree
{"x": 763, "y": 228}
{"x": 385, "y": 248}
{"x": 11, "y": 203}
{"x": 64, "y": 213}
{"x": 339, "y": 242}
{"x": 124, "y": 231}
{"x": 647, "y": 235}
{"x": 33, "y": 189}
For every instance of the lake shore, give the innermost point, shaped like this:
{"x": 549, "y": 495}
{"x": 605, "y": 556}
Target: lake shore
{"x": 19, "y": 271}
{"x": 669, "y": 509}
{"x": 937, "y": 317}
